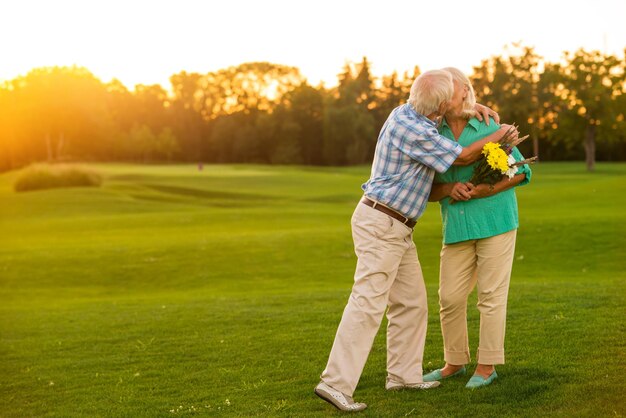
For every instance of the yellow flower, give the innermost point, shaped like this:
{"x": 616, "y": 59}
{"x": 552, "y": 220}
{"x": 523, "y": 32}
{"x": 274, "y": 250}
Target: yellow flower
{"x": 496, "y": 157}
{"x": 489, "y": 147}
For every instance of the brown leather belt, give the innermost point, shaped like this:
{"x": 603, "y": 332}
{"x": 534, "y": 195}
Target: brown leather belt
{"x": 384, "y": 209}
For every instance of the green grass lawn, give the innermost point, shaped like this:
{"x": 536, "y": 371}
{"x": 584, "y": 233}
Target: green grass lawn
{"x": 174, "y": 292}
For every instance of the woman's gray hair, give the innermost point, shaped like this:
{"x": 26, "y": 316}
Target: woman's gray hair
{"x": 470, "y": 100}
{"x": 429, "y": 90}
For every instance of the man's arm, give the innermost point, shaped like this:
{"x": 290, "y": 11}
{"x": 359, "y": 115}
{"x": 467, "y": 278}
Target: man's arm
{"x": 473, "y": 152}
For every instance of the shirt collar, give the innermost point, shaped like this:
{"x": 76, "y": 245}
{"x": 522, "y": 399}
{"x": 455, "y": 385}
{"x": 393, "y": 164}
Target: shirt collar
{"x": 473, "y": 122}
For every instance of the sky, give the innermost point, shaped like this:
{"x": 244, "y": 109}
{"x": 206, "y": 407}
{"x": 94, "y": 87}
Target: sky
{"x": 145, "y": 42}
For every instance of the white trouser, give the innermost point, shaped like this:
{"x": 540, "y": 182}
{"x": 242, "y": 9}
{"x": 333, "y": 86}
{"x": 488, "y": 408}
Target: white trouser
{"x": 388, "y": 274}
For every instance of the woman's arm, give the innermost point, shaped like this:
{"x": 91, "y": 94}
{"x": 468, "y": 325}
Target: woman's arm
{"x": 524, "y": 169}
{"x": 485, "y": 190}
{"x": 458, "y": 191}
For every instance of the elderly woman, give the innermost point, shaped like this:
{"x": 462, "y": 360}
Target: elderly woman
{"x": 479, "y": 232}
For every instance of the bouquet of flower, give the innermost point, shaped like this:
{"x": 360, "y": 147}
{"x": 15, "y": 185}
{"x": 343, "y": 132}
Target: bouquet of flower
{"x": 497, "y": 160}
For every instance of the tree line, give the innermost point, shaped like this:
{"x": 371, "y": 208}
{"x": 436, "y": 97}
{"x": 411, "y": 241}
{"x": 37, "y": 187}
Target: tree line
{"x": 268, "y": 113}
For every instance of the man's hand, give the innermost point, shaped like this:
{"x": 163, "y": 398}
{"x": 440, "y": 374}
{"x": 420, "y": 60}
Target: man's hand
{"x": 483, "y": 112}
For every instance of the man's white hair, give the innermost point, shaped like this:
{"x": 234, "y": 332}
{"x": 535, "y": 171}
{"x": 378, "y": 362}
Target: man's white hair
{"x": 429, "y": 90}
{"x": 470, "y": 100}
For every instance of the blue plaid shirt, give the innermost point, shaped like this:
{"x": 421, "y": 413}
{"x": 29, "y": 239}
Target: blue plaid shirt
{"x": 408, "y": 152}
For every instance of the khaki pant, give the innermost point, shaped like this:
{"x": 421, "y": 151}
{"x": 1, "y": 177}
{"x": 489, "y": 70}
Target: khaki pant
{"x": 388, "y": 274}
{"x": 486, "y": 262}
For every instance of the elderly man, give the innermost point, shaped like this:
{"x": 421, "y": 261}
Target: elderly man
{"x": 388, "y": 273}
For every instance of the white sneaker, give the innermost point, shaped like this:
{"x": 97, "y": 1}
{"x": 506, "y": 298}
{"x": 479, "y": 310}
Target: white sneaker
{"x": 338, "y": 399}
{"x": 393, "y": 385}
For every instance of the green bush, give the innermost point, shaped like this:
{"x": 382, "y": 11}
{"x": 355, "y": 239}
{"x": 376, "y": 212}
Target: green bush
{"x": 43, "y": 176}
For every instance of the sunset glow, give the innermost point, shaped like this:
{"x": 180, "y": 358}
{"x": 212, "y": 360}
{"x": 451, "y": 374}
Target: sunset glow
{"x": 147, "y": 41}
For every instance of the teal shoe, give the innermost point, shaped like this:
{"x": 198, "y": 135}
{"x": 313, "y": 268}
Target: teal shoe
{"x": 436, "y": 375}
{"x": 478, "y": 381}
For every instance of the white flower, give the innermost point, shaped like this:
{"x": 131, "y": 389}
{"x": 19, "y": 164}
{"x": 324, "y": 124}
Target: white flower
{"x": 512, "y": 170}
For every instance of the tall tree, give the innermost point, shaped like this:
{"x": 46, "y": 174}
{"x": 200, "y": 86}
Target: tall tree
{"x": 300, "y": 118}
{"x": 60, "y": 112}
{"x": 392, "y": 92}
{"x": 592, "y": 82}
{"x": 8, "y": 121}
{"x": 349, "y": 123}
{"x": 189, "y": 116}
{"x": 254, "y": 86}
{"x": 152, "y": 103}
{"x": 522, "y": 87}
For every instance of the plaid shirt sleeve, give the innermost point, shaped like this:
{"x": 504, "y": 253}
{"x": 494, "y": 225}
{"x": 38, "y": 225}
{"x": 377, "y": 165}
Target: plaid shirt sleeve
{"x": 425, "y": 145}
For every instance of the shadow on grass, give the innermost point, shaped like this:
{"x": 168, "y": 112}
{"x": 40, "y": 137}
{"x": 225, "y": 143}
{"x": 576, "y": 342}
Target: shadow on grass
{"x": 176, "y": 194}
{"x": 206, "y": 194}
{"x": 521, "y": 387}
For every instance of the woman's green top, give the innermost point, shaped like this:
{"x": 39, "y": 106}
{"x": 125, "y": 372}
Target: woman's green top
{"x": 477, "y": 218}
